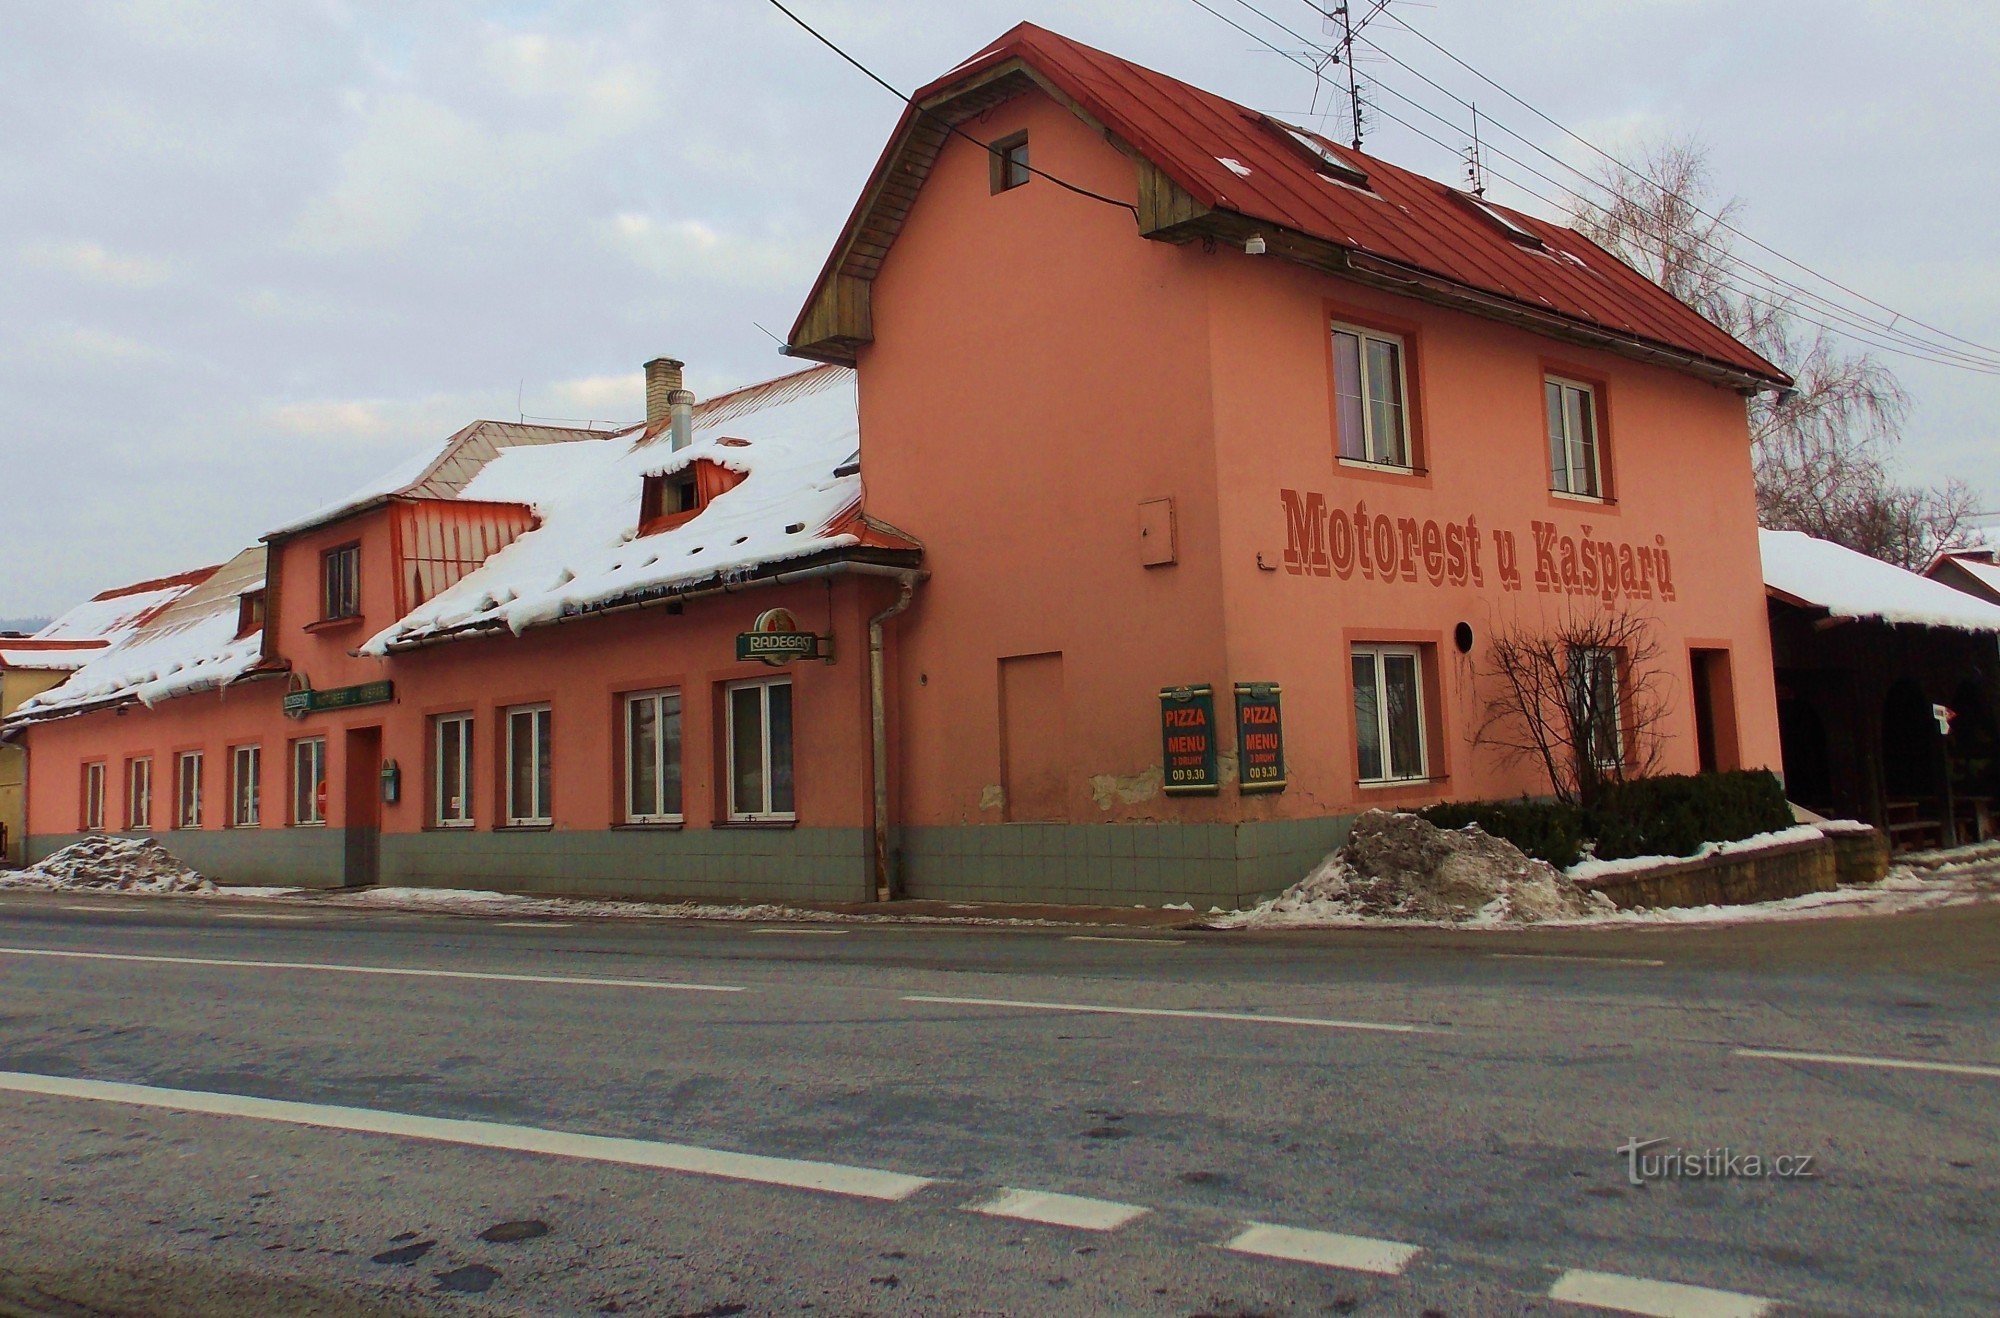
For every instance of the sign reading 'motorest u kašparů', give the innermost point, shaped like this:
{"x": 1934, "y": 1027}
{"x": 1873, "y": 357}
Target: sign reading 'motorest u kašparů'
{"x": 310, "y": 701}
{"x": 1260, "y": 738}
{"x": 1187, "y": 739}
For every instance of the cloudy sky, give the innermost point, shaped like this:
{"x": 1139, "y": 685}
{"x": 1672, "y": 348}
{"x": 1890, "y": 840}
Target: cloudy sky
{"x": 251, "y": 253}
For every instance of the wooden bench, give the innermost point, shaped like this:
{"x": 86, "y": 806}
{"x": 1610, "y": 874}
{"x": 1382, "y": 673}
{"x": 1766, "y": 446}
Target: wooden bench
{"x": 1907, "y": 829}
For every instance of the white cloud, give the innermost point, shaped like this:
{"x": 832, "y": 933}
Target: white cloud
{"x": 683, "y": 249}
{"x": 602, "y": 397}
{"x": 97, "y": 264}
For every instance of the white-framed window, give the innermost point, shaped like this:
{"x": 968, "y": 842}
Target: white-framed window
{"x": 653, "y": 757}
{"x": 1597, "y": 704}
{"x": 1390, "y": 733}
{"x": 139, "y": 793}
{"x": 1370, "y": 393}
{"x": 309, "y": 781}
{"x": 451, "y": 776}
{"x": 93, "y": 797}
{"x": 340, "y": 582}
{"x": 1575, "y": 466}
{"x": 760, "y": 751}
{"x": 529, "y": 777}
{"x": 187, "y": 790}
{"x": 1010, "y": 162}
{"x": 246, "y": 786}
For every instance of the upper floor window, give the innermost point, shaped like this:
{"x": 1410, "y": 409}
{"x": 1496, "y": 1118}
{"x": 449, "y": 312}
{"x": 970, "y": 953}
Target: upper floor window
{"x": 1390, "y": 734}
{"x": 653, "y": 758}
{"x": 1575, "y": 466}
{"x": 1010, "y": 162}
{"x": 1368, "y": 387}
{"x": 246, "y": 775}
{"x": 93, "y": 798}
{"x": 670, "y": 500}
{"x": 340, "y": 582}
{"x": 249, "y": 613}
{"x": 1596, "y": 705}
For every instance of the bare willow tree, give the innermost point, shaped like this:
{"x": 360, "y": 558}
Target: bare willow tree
{"x": 1583, "y": 696}
{"x": 1823, "y": 448}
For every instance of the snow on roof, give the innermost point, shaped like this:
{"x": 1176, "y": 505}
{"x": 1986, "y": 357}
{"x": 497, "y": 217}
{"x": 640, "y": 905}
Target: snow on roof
{"x": 1851, "y": 585}
{"x": 48, "y": 656}
{"x": 788, "y": 437}
{"x": 115, "y": 613}
{"x": 190, "y": 645}
{"x": 1977, "y": 564}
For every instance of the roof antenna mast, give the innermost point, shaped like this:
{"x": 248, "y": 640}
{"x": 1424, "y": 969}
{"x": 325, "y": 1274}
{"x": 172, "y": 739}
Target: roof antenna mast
{"x": 1475, "y": 168}
{"x": 1345, "y": 13}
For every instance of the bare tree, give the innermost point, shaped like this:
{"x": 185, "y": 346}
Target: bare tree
{"x": 1822, "y": 449}
{"x": 1583, "y": 697}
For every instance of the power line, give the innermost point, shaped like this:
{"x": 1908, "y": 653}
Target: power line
{"x": 939, "y": 119}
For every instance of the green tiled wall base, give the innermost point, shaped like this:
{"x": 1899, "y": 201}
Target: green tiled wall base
{"x": 699, "y": 864}
{"x": 264, "y": 857}
{"x": 1204, "y": 865}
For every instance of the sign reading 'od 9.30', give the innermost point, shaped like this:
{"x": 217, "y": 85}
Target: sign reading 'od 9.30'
{"x": 1187, "y": 739}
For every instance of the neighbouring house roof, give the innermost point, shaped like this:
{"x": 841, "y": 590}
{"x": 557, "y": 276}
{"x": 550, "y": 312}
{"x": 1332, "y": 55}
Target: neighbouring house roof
{"x": 792, "y": 440}
{"x": 442, "y": 471}
{"x": 1811, "y": 573}
{"x": 1225, "y": 170}
{"x": 189, "y": 645}
{"x": 1978, "y": 565}
{"x": 83, "y": 633}
{"x": 48, "y": 656}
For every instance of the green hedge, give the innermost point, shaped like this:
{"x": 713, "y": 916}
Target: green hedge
{"x": 1672, "y": 815}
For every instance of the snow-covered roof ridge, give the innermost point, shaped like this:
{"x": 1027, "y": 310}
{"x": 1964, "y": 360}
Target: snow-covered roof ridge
{"x": 1852, "y": 585}
{"x": 102, "y": 622}
{"x": 189, "y": 645}
{"x": 790, "y": 438}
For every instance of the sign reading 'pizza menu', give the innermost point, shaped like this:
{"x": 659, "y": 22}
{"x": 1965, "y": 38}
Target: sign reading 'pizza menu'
{"x": 1260, "y": 737}
{"x": 1187, "y": 738}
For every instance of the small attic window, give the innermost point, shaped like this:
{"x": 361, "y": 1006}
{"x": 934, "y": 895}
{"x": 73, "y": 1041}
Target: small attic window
{"x": 1499, "y": 220}
{"x": 673, "y": 500}
{"x": 249, "y": 613}
{"x": 1323, "y": 157}
{"x": 1010, "y": 162}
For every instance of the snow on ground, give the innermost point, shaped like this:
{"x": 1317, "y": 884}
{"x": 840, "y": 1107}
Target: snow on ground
{"x": 1588, "y": 870}
{"x": 111, "y": 864}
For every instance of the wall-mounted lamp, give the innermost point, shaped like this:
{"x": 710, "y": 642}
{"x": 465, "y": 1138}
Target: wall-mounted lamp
{"x": 392, "y": 782}
{"x": 1254, "y": 245}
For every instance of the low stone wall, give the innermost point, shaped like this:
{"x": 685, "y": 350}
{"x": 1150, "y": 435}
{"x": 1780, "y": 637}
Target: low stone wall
{"x": 1766, "y": 875}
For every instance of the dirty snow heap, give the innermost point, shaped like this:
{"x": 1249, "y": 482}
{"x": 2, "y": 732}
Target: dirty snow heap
{"x": 121, "y": 864}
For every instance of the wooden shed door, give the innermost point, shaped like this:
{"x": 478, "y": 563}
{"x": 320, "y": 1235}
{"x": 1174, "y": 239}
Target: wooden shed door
{"x": 1034, "y": 737}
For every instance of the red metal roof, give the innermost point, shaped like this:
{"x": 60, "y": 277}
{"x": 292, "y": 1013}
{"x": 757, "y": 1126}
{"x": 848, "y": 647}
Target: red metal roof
{"x": 1400, "y": 217}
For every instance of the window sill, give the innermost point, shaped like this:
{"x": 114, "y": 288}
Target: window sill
{"x": 333, "y": 624}
{"x": 1569, "y": 497}
{"x": 452, "y": 826}
{"x": 1383, "y": 468}
{"x": 307, "y": 823}
{"x": 1391, "y": 784}
{"x": 777, "y": 822}
{"x": 650, "y": 825}
{"x": 526, "y": 826}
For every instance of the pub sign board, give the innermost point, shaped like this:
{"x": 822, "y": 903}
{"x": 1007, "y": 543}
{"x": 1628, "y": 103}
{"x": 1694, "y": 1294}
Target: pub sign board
{"x": 1187, "y": 736}
{"x": 1260, "y": 738}
{"x": 300, "y": 703}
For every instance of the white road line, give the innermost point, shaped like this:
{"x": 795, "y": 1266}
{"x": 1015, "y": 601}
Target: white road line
{"x": 832, "y": 1177}
{"x": 1327, "y": 1249}
{"x": 1250, "y": 1017}
{"x": 531, "y": 924}
{"x": 1559, "y": 956}
{"x": 1060, "y": 1209}
{"x": 337, "y": 968}
{"x": 1130, "y": 940}
{"x": 799, "y": 931}
{"x": 104, "y": 910}
{"x": 1894, "y": 1063}
{"x": 258, "y": 915}
{"x": 1659, "y": 1299}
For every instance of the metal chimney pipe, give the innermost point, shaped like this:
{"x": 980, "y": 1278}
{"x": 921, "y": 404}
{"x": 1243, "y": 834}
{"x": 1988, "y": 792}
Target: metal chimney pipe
{"x": 680, "y": 410}
{"x": 663, "y": 380}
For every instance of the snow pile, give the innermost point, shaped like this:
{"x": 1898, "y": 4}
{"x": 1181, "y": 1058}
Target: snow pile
{"x": 1851, "y": 585}
{"x": 110, "y": 863}
{"x": 1398, "y": 868}
{"x": 1586, "y": 871}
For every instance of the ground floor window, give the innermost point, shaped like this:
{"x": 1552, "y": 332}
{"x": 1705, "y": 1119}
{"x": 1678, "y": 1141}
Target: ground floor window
{"x": 139, "y": 793}
{"x": 187, "y": 790}
{"x": 452, "y": 779}
{"x": 653, "y": 757}
{"x": 529, "y": 775}
{"x": 760, "y": 751}
{"x": 309, "y": 781}
{"x": 1596, "y": 705}
{"x": 246, "y": 786}
{"x": 1389, "y": 729}
{"x": 93, "y": 798}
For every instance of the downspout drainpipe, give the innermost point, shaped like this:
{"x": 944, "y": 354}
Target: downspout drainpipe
{"x": 878, "y": 713}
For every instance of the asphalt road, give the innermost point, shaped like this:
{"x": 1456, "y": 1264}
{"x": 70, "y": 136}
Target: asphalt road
{"x": 266, "y": 1124}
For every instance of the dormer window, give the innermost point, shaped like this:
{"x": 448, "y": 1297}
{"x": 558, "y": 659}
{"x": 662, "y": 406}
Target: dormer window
{"x": 676, "y": 498}
{"x": 1324, "y": 158}
{"x": 249, "y": 613}
{"x": 1498, "y": 219}
{"x": 1010, "y": 162}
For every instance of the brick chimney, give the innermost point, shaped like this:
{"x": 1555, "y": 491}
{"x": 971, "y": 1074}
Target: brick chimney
{"x": 663, "y": 381}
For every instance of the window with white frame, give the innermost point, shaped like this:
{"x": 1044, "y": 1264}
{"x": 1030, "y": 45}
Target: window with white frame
{"x": 139, "y": 793}
{"x": 451, "y": 782}
{"x": 653, "y": 757}
{"x": 1390, "y": 734}
{"x": 246, "y": 786}
{"x": 528, "y": 772}
{"x": 1368, "y": 388}
{"x": 1596, "y": 708}
{"x": 187, "y": 790}
{"x": 1575, "y": 466}
{"x": 309, "y": 781}
{"x": 760, "y": 751}
{"x": 340, "y": 582}
{"x": 93, "y": 797}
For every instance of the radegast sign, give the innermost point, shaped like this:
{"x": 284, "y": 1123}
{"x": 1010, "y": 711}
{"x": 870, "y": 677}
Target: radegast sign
{"x": 1187, "y": 740}
{"x": 1260, "y": 738}
{"x": 775, "y": 639}
{"x": 1322, "y": 540}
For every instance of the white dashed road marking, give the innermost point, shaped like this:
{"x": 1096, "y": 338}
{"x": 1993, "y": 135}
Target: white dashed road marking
{"x": 1060, "y": 1210}
{"x": 105, "y": 910}
{"x": 1249, "y": 1017}
{"x": 831, "y": 1177}
{"x": 1659, "y": 1299}
{"x": 337, "y": 968}
{"x": 1559, "y": 956}
{"x": 1129, "y": 940}
{"x": 1893, "y": 1063}
{"x": 799, "y": 931}
{"x": 1327, "y": 1249}
{"x": 531, "y": 924}
{"x": 258, "y": 915}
